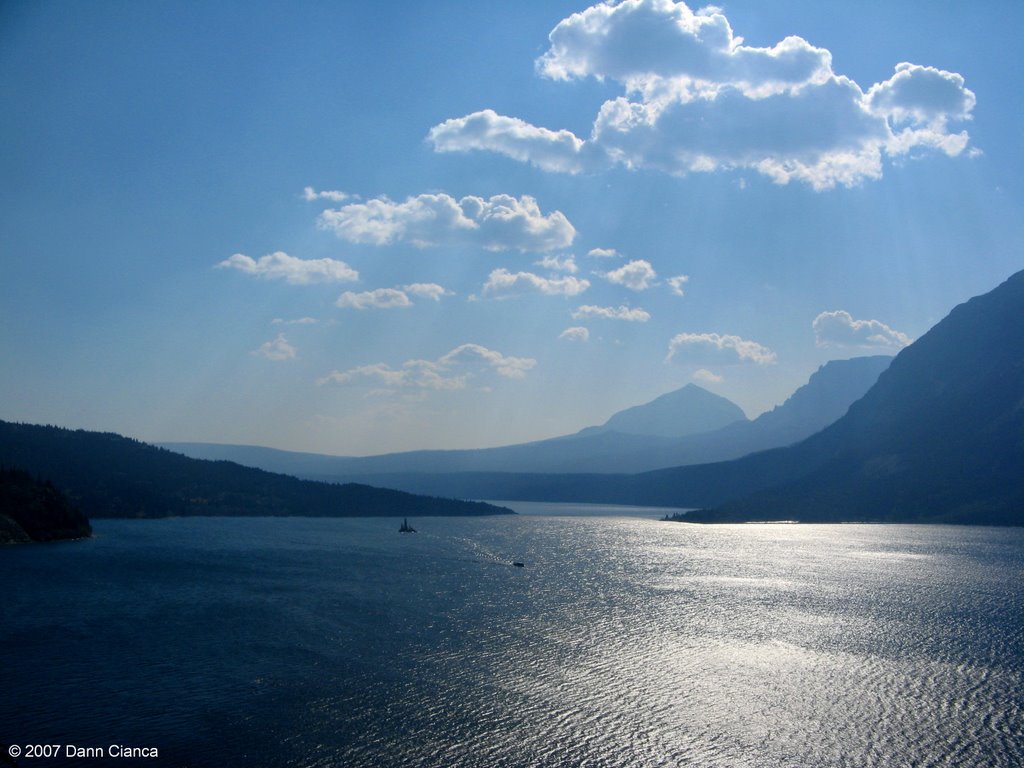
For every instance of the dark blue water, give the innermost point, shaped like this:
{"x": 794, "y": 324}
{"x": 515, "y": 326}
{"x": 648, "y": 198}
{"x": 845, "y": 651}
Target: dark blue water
{"x": 624, "y": 641}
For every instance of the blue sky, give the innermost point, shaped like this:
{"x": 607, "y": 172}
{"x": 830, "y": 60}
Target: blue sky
{"x": 355, "y": 228}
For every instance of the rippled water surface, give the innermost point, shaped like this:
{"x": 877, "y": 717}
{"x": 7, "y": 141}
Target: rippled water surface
{"x": 624, "y": 641}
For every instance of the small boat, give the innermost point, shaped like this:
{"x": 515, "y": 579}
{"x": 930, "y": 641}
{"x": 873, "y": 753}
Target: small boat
{"x": 517, "y": 564}
{"x": 406, "y": 528}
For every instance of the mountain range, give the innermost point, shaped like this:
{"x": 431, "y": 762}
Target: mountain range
{"x": 687, "y": 426}
{"x": 938, "y": 438}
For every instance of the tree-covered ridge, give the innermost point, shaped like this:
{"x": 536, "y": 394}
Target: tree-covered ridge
{"x": 108, "y": 475}
{"x": 32, "y": 509}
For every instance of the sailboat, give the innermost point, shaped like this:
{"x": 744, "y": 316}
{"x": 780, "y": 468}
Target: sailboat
{"x": 406, "y": 528}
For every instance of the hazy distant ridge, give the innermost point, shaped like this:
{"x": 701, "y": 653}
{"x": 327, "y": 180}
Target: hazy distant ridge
{"x": 707, "y": 427}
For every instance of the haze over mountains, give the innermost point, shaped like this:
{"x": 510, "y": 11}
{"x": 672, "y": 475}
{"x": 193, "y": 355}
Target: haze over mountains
{"x": 938, "y": 438}
{"x": 689, "y": 425}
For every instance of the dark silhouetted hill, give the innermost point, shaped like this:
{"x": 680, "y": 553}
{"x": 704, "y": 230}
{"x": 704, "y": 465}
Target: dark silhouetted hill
{"x": 107, "y": 475}
{"x": 939, "y": 438}
{"x": 32, "y": 509}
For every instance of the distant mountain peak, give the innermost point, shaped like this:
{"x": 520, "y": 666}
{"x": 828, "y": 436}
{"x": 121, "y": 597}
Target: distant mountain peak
{"x": 689, "y": 410}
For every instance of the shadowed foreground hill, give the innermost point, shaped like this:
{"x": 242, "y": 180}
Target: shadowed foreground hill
{"x": 32, "y": 509}
{"x": 939, "y": 438}
{"x": 107, "y": 475}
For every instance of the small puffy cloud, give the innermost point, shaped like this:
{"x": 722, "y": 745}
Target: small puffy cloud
{"x": 718, "y": 346}
{"x": 391, "y": 298}
{"x": 637, "y": 275}
{"x": 575, "y": 333}
{"x": 451, "y": 371}
{"x": 277, "y": 349}
{"x": 503, "y": 284}
{"x": 603, "y": 253}
{"x": 510, "y": 367}
{"x": 327, "y": 194}
{"x": 559, "y": 151}
{"x": 840, "y": 329}
{"x": 556, "y": 151}
{"x": 426, "y": 290}
{"x": 280, "y": 266}
{"x": 498, "y": 223}
{"x": 555, "y": 264}
{"x": 676, "y": 284}
{"x": 698, "y": 100}
{"x": 380, "y": 298}
{"x": 919, "y": 94}
{"x": 631, "y": 314}
{"x": 705, "y": 376}
{"x": 413, "y": 374}
{"x": 297, "y": 321}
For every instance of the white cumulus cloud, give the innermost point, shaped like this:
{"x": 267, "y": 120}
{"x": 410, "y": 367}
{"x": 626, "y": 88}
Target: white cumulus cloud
{"x": 603, "y": 253}
{"x": 276, "y": 349}
{"x": 575, "y": 333}
{"x": 631, "y": 314}
{"x": 555, "y": 264}
{"x": 637, "y": 275}
{"x": 706, "y": 376}
{"x": 451, "y": 371}
{"x": 280, "y": 266}
{"x": 718, "y": 346}
{"x": 426, "y": 290}
{"x": 839, "y": 328}
{"x": 549, "y": 150}
{"x": 379, "y": 298}
{"x": 697, "y": 99}
{"x": 676, "y": 284}
{"x": 327, "y": 194}
{"x": 503, "y": 284}
{"x": 498, "y": 223}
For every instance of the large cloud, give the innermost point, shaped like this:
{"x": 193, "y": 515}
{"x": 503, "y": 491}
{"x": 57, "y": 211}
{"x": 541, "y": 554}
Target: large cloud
{"x": 719, "y": 347}
{"x": 453, "y": 370}
{"x": 280, "y": 266}
{"x": 839, "y": 328}
{"x": 698, "y": 100}
{"x": 498, "y": 223}
{"x": 502, "y": 284}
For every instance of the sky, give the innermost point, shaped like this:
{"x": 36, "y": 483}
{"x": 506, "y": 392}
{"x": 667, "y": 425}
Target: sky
{"x": 355, "y": 228}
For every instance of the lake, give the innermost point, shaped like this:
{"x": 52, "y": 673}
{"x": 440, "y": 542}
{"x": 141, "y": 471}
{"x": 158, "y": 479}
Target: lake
{"x": 624, "y": 641}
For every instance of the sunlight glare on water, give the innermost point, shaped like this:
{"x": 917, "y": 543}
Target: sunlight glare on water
{"x": 624, "y": 641}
